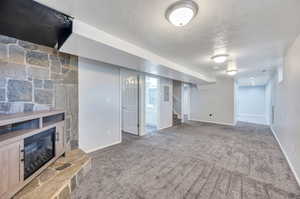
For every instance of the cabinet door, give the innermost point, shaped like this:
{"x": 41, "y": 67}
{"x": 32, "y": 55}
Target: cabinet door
{"x": 60, "y": 139}
{"x": 10, "y": 168}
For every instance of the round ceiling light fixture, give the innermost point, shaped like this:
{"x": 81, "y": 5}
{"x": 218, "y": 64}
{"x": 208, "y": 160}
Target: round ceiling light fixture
{"x": 219, "y": 59}
{"x": 231, "y": 68}
{"x": 231, "y": 72}
{"x": 181, "y": 12}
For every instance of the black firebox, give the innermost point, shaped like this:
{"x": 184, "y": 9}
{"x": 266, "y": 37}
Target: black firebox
{"x": 38, "y": 150}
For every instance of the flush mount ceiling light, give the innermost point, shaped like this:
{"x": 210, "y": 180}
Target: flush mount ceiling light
{"x": 231, "y": 68}
{"x": 231, "y": 72}
{"x": 181, "y": 12}
{"x": 219, "y": 59}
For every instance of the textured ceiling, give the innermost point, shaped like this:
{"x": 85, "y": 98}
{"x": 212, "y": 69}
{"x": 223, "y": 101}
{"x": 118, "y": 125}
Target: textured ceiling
{"x": 255, "y": 33}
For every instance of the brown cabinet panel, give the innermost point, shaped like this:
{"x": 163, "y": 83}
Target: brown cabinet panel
{"x": 60, "y": 139}
{"x": 10, "y": 168}
{"x": 3, "y": 171}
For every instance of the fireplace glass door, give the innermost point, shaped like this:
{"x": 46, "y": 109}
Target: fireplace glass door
{"x": 38, "y": 150}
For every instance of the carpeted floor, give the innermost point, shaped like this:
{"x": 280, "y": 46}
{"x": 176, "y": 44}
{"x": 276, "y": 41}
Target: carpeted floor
{"x": 194, "y": 160}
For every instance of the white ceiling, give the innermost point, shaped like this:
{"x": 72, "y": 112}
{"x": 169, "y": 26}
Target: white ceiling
{"x": 255, "y": 33}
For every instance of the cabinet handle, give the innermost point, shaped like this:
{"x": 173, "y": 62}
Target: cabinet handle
{"x": 57, "y": 136}
{"x": 22, "y": 154}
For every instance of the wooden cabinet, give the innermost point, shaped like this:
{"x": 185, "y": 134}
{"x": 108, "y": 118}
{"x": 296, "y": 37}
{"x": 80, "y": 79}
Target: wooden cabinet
{"x": 60, "y": 139}
{"x": 15, "y": 132}
{"x": 10, "y": 167}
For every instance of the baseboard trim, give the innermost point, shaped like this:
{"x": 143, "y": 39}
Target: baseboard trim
{"x": 252, "y": 118}
{"x": 101, "y": 147}
{"x": 286, "y": 157}
{"x": 211, "y": 122}
{"x": 162, "y": 128}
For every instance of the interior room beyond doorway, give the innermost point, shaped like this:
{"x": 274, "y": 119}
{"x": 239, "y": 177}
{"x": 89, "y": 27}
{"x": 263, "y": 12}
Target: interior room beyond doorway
{"x": 152, "y": 104}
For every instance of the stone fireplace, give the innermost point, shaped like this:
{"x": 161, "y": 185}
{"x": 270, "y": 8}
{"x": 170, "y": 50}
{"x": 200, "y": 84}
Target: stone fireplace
{"x": 35, "y": 78}
{"x": 33, "y": 148}
{"x": 29, "y": 144}
{"x": 38, "y": 78}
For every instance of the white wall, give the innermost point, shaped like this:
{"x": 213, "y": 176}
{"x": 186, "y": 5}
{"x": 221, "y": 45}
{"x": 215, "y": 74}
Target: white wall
{"x": 236, "y": 87}
{"x": 142, "y": 106}
{"x": 165, "y": 107}
{"x": 268, "y": 102}
{"x": 216, "y": 99}
{"x": 99, "y": 105}
{"x": 286, "y": 98}
{"x": 252, "y": 104}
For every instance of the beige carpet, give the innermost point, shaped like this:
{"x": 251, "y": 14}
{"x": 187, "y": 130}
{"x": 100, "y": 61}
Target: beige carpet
{"x": 194, "y": 160}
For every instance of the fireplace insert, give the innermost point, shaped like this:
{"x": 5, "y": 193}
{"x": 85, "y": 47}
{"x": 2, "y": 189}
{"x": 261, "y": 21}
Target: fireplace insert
{"x": 38, "y": 150}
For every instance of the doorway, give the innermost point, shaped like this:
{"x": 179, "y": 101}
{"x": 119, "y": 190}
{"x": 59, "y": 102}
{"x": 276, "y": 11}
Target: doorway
{"x": 252, "y": 104}
{"x": 186, "y": 100}
{"x": 177, "y": 103}
{"x": 152, "y": 104}
{"x": 130, "y": 102}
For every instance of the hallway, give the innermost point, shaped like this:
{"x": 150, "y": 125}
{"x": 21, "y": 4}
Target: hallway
{"x": 194, "y": 160}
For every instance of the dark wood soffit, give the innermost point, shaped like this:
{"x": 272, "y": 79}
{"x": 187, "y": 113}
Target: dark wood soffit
{"x": 30, "y": 21}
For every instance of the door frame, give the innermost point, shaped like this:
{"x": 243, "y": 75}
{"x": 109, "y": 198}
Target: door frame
{"x": 122, "y": 71}
{"x": 158, "y": 97}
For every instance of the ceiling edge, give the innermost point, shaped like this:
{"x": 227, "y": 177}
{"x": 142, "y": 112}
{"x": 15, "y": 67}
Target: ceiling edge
{"x": 90, "y": 32}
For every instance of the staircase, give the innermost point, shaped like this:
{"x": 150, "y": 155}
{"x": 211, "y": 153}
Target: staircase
{"x": 176, "y": 111}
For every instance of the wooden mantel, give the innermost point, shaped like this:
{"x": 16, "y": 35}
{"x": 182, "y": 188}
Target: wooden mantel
{"x": 20, "y": 117}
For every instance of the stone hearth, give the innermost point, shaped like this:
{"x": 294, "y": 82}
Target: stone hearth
{"x": 60, "y": 179}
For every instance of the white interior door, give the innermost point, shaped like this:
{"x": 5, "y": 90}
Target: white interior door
{"x": 130, "y": 101}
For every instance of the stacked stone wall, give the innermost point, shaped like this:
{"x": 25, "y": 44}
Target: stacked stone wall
{"x": 34, "y": 77}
